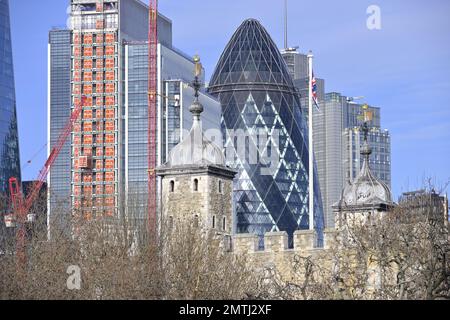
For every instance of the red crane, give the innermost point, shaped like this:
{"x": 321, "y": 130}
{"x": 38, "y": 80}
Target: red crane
{"x": 152, "y": 112}
{"x": 21, "y": 206}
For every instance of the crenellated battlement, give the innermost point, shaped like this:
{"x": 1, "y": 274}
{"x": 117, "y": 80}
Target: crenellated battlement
{"x": 278, "y": 257}
{"x": 277, "y": 242}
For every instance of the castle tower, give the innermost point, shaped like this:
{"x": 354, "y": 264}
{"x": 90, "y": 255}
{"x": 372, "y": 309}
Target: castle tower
{"x": 196, "y": 185}
{"x": 364, "y": 198}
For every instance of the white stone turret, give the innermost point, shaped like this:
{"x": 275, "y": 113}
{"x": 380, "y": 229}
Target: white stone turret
{"x": 365, "y": 195}
{"x": 197, "y": 186}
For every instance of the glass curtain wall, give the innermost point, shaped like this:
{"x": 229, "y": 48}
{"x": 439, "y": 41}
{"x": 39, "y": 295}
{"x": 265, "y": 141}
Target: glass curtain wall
{"x": 257, "y": 94}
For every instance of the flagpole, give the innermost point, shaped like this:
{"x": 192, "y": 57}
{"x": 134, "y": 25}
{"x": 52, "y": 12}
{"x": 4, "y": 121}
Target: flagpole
{"x": 310, "y": 143}
{"x": 285, "y": 24}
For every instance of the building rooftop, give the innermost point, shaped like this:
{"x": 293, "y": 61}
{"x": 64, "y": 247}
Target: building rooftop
{"x": 251, "y": 60}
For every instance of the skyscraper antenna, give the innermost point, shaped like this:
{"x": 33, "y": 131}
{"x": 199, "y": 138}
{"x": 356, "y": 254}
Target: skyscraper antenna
{"x": 285, "y": 24}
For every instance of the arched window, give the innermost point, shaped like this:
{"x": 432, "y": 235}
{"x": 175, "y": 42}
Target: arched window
{"x": 220, "y": 186}
{"x": 172, "y": 186}
{"x": 224, "y": 223}
{"x": 170, "y": 221}
{"x": 214, "y": 222}
{"x": 196, "y": 221}
{"x": 195, "y": 184}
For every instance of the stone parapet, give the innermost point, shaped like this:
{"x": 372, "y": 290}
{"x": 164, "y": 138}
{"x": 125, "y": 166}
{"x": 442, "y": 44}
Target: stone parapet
{"x": 304, "y": 239}
{"x": 329, "y": 238}
{"x": 275, "y": 241}
{"x": 245, "y": 243}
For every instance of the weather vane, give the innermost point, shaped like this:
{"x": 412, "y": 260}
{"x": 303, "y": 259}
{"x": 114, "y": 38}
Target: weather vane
{"x": 367, "y": 117}
{"x": 197, "y": 73}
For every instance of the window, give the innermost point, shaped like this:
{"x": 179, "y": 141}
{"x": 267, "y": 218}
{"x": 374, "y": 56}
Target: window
{"x": 172, "y": 186}
{"x": 224, "y": 223}
{"x": 196, "y": 221}
{"x": 220, "y": 186}
{"x": 214, "y": 222}
{"x": 195, "y": 185}
{"x": 170, "y": 221}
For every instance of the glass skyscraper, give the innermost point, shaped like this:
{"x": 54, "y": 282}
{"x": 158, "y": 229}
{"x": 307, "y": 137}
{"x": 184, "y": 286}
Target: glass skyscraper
{"x": 338, "y": 139}
{"x": 58, "y": 111}
{"x": 9, "y": 140}
{"x": 257, "y": 94}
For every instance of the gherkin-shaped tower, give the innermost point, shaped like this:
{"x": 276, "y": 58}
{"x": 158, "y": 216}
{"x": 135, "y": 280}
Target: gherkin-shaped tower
{"x": 257, "y": 95}
{"x": 9, "y": 141}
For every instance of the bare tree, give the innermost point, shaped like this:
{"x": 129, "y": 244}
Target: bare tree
{"x": 401, "y": 254}
{"x": 183, "y": 262}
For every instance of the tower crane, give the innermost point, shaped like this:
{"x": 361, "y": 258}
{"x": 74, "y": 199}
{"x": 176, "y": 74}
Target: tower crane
{"x": 21, "y": 206}
{"x": 152, "y": 112}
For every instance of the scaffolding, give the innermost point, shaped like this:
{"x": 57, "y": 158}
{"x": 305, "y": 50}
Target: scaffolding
{"x": 95, "y": 134}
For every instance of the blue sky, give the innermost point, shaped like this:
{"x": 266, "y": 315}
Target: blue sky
{"x": 404, "y": 68}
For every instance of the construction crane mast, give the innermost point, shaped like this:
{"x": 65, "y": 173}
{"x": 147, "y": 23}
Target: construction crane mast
{"x": 152, "y": 112}
{"x": 21, "y": 206}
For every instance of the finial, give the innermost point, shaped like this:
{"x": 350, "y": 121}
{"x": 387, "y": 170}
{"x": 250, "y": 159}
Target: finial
{"x": 367, "y": 117}
{"x": 197, "y": 73}
{"x": 196, "y": 108}
{"x": 365, "y": 130}
{"x": 366, "y": 150}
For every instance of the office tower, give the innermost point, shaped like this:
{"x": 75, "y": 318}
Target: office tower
{"x": 9, "y": 140}
{"x": 258, "y": 96}
{"x": 98, "y": 32}
{"x": 337, "y": 147}
{"x": 104, "y": 56}
{"x": 296, "y": 62}
{"x": 428, "y": 203}
{"x": 58, "y": 111}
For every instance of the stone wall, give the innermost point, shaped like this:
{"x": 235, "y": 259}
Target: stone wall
{"x": 207, "y": 202}
{"x": 277, "y": 256}
{"x": 184, "y": 202}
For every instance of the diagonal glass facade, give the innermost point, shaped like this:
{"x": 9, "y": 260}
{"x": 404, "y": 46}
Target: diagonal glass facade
{"x": 9, "y": 140}
{"x": 257, "y": 94}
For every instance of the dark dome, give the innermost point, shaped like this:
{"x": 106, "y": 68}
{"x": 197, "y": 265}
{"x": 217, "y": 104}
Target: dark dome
{"x": 251, "y": 58}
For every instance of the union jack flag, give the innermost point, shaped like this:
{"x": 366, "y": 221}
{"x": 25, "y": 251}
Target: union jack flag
{"x": 314, "y": 91}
